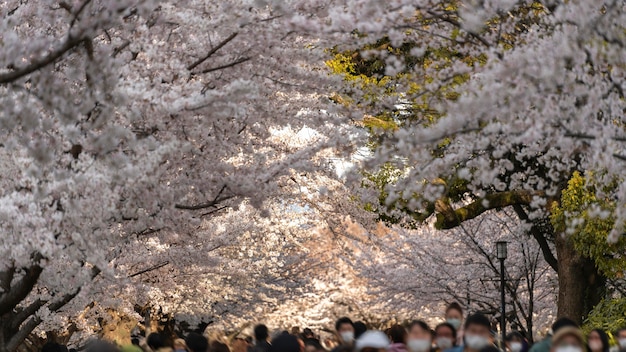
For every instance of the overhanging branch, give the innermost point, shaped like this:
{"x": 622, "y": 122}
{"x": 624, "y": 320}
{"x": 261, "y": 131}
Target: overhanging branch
{"x": 448, "y": 217}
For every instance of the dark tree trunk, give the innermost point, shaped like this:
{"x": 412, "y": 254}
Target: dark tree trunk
{"x": 581, "y": 287}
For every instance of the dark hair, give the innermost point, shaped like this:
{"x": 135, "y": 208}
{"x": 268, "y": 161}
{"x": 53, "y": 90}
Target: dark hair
{"x": 261, "y": 332}
{"x": 419, "y": 323}
{"x": 217, "y": 346}
{"x": 477, "y": 319}
{"x": 134, "y": 341}
{"x": 196, "y": 342}
{"x": 563, "y": 322}
{"x": 604, "y": 338}
{"x": 398, "y": 334}
{"x": 359, "y": 329}
{"x": 155, "y": 341}
{"x": 315, "y": 343}
{"x": 449, "y": 326}
{"x": 53, "y": 347}
{"x": 100, "y": 346}
{"x": 454, "y": 306}
{"x": 341, "y": 321}
{"x": 513, "y": 335}
{"x": 285, "y": 343}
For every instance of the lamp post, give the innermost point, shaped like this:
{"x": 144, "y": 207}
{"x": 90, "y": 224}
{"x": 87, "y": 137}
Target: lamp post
{"x": 501, "y": 254}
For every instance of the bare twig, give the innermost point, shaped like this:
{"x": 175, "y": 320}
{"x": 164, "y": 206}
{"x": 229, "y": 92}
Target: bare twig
{"x": 212, "y": 51}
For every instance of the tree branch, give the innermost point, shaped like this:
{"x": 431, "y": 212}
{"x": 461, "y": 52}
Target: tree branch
{"x": 538, "y": 235}
{"x": 212, "y": 51}
{"x": 234, "y": 63}
{"x": 448, "y": 217}
{"x": 35, "y": 65}
{"x": 218, "y": 198}
{"x": 152, "y": 268}
{"x": 19, "y": 291}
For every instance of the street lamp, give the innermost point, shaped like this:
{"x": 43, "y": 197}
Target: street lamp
{"x": 501, "y": 255}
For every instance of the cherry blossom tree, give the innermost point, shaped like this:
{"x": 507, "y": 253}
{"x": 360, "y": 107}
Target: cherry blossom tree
{"x": 491, "y": 105}
{"x": 425, "y": 267}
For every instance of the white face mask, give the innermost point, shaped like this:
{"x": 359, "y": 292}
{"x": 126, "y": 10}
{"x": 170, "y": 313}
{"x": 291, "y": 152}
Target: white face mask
{"x": 454, "y": 322}
{"x": 516, "y": 346}
{"x": 444, "y": 343}
{"x": 622, "y": 343}
{"x": 419, "y": 345}
{"x": 347, "y": 336}
{"x": 476, "y": 342}
{"x": 568, "y": 349}
{"x": 595, "y": 345}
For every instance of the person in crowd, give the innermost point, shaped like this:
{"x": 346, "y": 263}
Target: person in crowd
{"x": 100, "y": 346}
{"x": 445, "y": 337}
{"x": 454, "y": 316}
{"x": 157, "y": 344}
{"x": 286, "y": 343}
{"x": 307, "y": 334}
{"x": 345, "y": 332}
{"x": 515, "y": 342}
{"x": 53, "y": 347}
{"x": 372, "y": 341}
{"x": 477, "y": 334}
{"x": 546, "y": 344}
{"x": 598, "y": 341}
{"x": 568, "y": 339}
{"x": 313, "y": 345}
{"x": 217, "y": 346}
{"x": 420, "y": 338}
{"x": 261, "y": 334}
{"x": 620, "y": 336}
{"x": 196, "y": 342}
{"x": 398, "y": 336}
{"x": 180, "y": 346}
{"x": 359, "y": 329}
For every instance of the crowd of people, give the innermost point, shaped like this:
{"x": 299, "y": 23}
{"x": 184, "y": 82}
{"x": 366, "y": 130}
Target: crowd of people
{"x": 456, "y": 334}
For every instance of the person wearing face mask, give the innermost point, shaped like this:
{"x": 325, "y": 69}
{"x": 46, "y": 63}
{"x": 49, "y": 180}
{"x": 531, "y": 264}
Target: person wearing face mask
{"x": 454, "y": 317}
{"x": 598, "y": 341}
{"x": 515, "y": 342}
{"x": 420, "y": 337}
{"x": 546, "y": 344}
{"x": 477, "y": 334}
{"x": 620, "y": 336}
{"x": 345, "y": 332}
{"x": 445, "y": 337}
{"x": 568, "y": 339}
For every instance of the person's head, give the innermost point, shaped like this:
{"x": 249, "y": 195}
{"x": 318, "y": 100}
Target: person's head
{"x": 372, "y": 341}
{"x": 179, "y": 345}
{"x": 454, "y": 315}
{"x": 445, "y": 336}
{"x": 217, "y": 346}
{"x": 477, "y": 332}
{"x": 261, "y": 333}
{"x": 562, "y": 323}
{"x": 196, "y": 342}
{"x": 620, "y": 335}
{"x": 308, "y": 333}
{"x": 100, "y": 346}
{"x": 359, "y": 329}
{"x": 134, "y": 341}
{"x": 285, "y": 343}
{"x": 312, "y": 345}
{"x": 420, "y": 337}
{"x": 397, "y": 334}
{"x": 568, "y": 339}
{"x": 514, "y": 341}
{"x": 155, "y": 341}
{"x": 345, "y": 330}
{"x": 598, "y": 341}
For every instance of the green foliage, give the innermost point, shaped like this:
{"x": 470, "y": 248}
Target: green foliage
{"x": 609, "y": 315}
{"x": 588, "y": 220}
